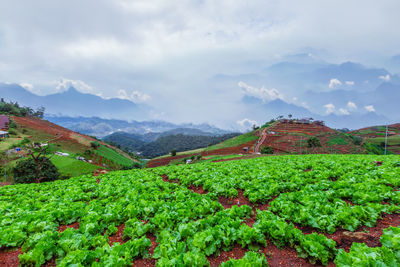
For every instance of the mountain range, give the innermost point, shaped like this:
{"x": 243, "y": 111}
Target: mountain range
{"x": 145, "y": 130}
{"x": 75, "y": 103}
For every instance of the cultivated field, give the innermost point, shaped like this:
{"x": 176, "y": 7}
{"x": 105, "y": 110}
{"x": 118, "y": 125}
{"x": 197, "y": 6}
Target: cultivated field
{"x": 282, "y": 211}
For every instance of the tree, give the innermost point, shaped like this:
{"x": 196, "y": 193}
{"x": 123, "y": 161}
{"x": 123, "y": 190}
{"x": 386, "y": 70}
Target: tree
{"x": 313, "y": 142}
{"x": 28, "y": 170}
{"x": 95, "y": 144}
{"x": 173, "y": 152}
{"x": 290, "y": 116}
{"x": 42, "y": 164}
{"x": 267, "y": 150}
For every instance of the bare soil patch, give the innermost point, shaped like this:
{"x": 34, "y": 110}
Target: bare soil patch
{"x": 148, "y": 262}
{"x": 9, "y": 258}
{"x": 62, "y": 228}
{"x": 117, "y": 237}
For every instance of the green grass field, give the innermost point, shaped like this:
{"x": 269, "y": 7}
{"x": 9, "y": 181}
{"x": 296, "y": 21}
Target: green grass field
{"x": 112, "y": 155}
{"x": 236, "y": 141}
{"x": 393, "y": 140}
{"x": 337, "y": 141}
{"x": 72, "y": 167}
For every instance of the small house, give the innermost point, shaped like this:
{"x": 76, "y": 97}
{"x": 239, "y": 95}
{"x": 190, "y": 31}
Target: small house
{"x": 4, "y": 122}
{"x": 3, "y": 134}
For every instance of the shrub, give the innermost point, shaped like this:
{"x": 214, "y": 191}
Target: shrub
{"x": 267, "y": 150}
{"x": 12, "y": 125}
{"x": 357, "y": 140}
{"x": 26, "y": 171}
{"x": 95, "y": 144}
{"x": 173, "y": 152}
{"x": 12, "y": 132}
{"x": 313, "y": 142}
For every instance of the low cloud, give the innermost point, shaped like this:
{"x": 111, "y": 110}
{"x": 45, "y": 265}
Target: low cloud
{"x": 27, "y": 86}
{"x": 333, "y": 83}
{"x": 370, "y": 108}
{"x": 262, "y": 93}
{"x": 385, "y": 78}
{"x": 330, "y": 108}
{"x": 349, "y": 83}
{"x": 247, "y": 123}
{"x": 351, "y": 105}
{"x": 135, "y": 96}
{"x": 343, "y": 111}
{"x": 64, "y": 84}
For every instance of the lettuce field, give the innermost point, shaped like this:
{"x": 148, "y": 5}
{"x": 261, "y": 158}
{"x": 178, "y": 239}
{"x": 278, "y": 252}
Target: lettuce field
{"x": 307, "y": 210}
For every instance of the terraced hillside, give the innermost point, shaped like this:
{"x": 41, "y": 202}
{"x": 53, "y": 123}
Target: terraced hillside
{"x": 296, "y": 210}
{"x": 282, "y": 137}
{"x": 376, "y": 135}
{"x": 292, "y": 138}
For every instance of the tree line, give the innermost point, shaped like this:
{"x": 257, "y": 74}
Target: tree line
{"x": 14, "y": 109}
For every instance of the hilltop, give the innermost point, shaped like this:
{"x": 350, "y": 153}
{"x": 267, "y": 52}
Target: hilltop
{"x": 283, "y": 137}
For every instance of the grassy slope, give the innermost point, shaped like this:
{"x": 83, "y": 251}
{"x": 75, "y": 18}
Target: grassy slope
{"x": 235, "y": 141}
{"x": 72, "y": 167}
{"x": 111, "y": 154}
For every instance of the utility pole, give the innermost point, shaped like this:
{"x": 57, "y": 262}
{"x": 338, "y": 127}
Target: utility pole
{"x": 301, "y": 144}
{"x": 386, "y": 134}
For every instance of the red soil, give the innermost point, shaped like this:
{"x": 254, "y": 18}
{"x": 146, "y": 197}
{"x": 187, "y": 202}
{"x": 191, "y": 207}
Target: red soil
{"x": 368, "y": 235}
{"x": 62, "y": 228}
{"x": 167, "y": 180}
{"x": 9, "y": 258}
{"x": 61, "y": 133}
{"x": 117, "y": 237}
{"x": 222, "y": 151}
{"x": 4, "y": 183}
{"x": 197, "y": 189}
{"x": 239, "y": 201}
{"x": 285, "y": 257}
{"x": 54, "y": 130}
{"x": 236, "y": 253}
{"x": 148, "y": 262}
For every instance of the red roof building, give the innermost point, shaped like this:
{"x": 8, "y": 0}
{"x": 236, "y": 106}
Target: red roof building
{"x": 4, "y": 121}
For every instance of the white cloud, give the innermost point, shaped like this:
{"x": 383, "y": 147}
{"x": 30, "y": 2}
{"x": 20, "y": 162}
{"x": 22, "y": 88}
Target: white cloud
{"x": 330, "y": 108}
{"x": 343, "y": 111}
{"x": 349, "y": 83}
{"x": 370, "y": 108}
{"x": 351, "y": 105}
{"x": 247, "y": 123}
{"x": 333, "y": 83}
{"x": 135, "y": 96}
{"x": 27, "y": 86}
{"x": 385, "y": 78}
{"x": 263, "y": 93}
{"x": 64, "y": 84}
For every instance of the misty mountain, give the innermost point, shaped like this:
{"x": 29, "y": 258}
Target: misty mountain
{"x": 164, "y": 144}
{"x": 74, "y": 103}
{"x": 150, "y": 130}
{"x": 263, "y": 111}
{"x": 384, "y": 99}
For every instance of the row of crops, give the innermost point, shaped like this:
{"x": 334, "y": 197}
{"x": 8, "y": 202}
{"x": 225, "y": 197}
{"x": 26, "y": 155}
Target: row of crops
{"x": 311, "y": 190}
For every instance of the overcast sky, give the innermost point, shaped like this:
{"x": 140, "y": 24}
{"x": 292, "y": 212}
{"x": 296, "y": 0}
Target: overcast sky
{"x": 164, "y": 52}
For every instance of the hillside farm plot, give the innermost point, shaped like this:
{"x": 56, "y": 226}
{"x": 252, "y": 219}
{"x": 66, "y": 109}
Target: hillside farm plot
{"x": 112, "y": 155}
{"x": 282, "y": 211}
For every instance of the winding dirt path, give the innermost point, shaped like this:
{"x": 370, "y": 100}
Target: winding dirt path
{"x": 261, "y": 141}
